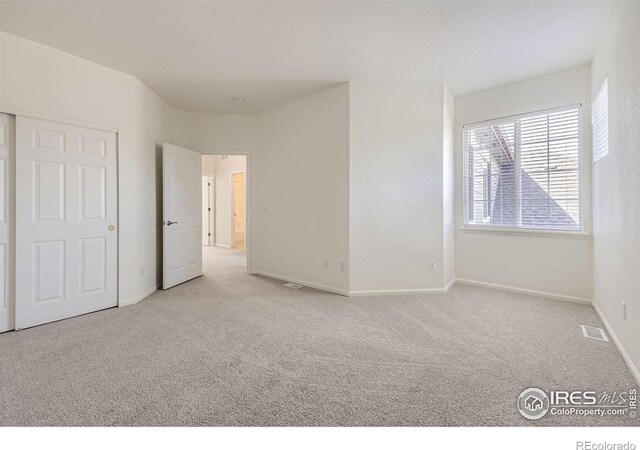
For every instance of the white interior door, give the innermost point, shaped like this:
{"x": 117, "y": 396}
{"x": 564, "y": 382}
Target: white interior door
{"x": 182, "y": 211}
{"x": 7, "y": 210}
{"x": 239, "y": 216}
{"x": 66, "y": 238}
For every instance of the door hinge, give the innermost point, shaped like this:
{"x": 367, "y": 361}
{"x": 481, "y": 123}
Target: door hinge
{"x": 209, "y": 209}
{"x": 209, "y": 234}
{"x": 208, "y": 184}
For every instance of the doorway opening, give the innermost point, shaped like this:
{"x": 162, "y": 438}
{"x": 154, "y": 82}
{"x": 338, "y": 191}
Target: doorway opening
{"x": 224, "y": 212}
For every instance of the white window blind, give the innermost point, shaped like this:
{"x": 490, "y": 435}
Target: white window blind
{"x": 524, "y": 171}
{"x": 600, "y": 122}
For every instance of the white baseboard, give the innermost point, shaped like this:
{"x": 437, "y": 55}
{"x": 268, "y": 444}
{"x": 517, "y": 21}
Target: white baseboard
{"x": 551, "y": 295}
{"x": 133, "y": 301}
{"x": 302, "y": 282}
{"x": 450, "y": 285}
{"x": 378, "y": 292}
{"x": 349, "y": 293}
{"x": 614, "y": 338}
{"x": 222, "y": 245}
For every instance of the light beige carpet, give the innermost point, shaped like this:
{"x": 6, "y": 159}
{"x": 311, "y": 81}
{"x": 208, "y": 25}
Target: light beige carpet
{"x": 233, "y": 349}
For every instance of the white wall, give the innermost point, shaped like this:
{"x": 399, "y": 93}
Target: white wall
{"x": 35, "y": 79}
{"x": 224, "y": 168}
{"x": 616, "y": 181}
{"x": 301, "y": 195}
{"x": 209, "y": 165}
{"x": 556, "y": 265}
{"x": 152, "y": 123}
{"x": 301, "y": 171}
{"x": 396, "y": 186}
{"x": 215, "y": 133}
{"x": 306, "y": 170}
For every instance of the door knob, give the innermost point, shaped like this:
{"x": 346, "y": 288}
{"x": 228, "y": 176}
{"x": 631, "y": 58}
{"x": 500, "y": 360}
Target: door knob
{"x": 111, "y": 228}
{"x": 169, "y": 223}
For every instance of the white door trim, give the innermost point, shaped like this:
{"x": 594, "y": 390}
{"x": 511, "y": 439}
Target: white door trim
{"x": 40, "y": 116}
{"x": 8, "y": 140}
{"x": 212, "y": 213}
{"x": 209, "y": 213}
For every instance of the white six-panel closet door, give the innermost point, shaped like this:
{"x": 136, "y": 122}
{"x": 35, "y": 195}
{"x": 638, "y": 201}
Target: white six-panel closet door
{"x": 66, "y": 218}
{"x": 7, "y": 143}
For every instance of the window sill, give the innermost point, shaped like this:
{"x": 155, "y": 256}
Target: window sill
{"x": 526, "y": 232}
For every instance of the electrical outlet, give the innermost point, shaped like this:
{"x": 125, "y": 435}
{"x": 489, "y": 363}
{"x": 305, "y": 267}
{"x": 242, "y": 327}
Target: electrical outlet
{"x": 432, "y": 265}
{"x": 624, "y": 311}
{"x": 326, "y": 263}
{"x": 341, "y": 267}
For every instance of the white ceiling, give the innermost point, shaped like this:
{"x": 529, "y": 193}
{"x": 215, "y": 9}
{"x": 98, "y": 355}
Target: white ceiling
{"x": 198, "y": 55}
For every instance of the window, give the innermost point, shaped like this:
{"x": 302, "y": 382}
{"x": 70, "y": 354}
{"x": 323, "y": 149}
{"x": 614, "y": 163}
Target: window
{"x": 600, "y": 122}
{"x": 524, "y": 172}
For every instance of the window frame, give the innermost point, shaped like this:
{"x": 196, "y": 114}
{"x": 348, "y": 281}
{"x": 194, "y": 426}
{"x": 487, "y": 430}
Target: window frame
{"x": 515, "y": 230}
{"x": 604, "y": 88}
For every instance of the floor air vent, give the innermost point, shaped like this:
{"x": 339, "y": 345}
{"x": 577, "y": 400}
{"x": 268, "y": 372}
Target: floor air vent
{"x": 292, "y": 285}
{"x": 594, "y": 333}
